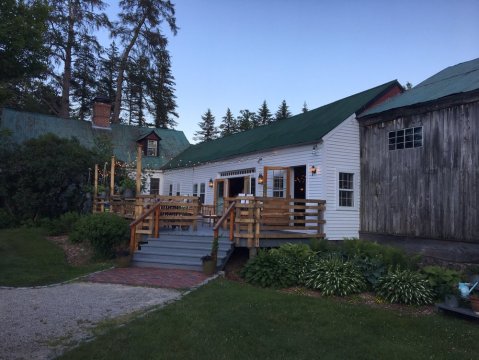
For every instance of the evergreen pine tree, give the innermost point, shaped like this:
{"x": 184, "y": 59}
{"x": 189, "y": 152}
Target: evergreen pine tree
{"x": 161, "y": 88}
{"x": 208, "y": 130}
{"x": 246, "y": 120}
{"x": 264, "y": 116}
{"x": 108, "y": 72}
{"x": 283, "y": 111}
{"x": 228, "y": 124}
{"x": 305, "y": 108}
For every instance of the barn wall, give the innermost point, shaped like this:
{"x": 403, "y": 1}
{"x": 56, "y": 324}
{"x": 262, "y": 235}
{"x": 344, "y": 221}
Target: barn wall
{"x": 429, "y": 192}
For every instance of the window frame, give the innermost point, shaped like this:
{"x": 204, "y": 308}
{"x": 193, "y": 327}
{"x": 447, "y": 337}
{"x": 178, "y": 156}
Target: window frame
{"x": 343, "y": 190}
{"x": 158, "y": 188}
{"x": 406, "y": 138}
{"x": 279, "y": 188}
{"x": 202, "y": 192}
{"x": 154, "y": 147}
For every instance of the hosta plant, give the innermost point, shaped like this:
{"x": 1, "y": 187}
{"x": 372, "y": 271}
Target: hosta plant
{"x": 405, "y": 287}
{"x": 335, "y": 276}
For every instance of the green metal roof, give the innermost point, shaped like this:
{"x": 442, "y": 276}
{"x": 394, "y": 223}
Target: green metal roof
{"x": 300, "y": 129}
{"x": 460, "y": 78}
{"x": 25, "y": 126}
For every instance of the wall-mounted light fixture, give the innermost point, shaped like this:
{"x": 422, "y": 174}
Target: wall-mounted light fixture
{"x": 260, "y": 160}
{"x": 313, "y": 170}
{"x": 315, "y": 149}
{"x": 260, "y": 179}
{"x": 210, "y": 183}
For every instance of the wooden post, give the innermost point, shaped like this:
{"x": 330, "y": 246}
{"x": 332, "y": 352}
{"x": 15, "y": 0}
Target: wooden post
{"x": 112, "y": 177}
{"x": 95, "y": 190}
{"x": 138, "y": 170}
{"x": 157, "y": 222}
{"x": 232, "y": 219}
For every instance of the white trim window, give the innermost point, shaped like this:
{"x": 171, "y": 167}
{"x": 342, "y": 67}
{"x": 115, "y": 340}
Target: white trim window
{"x": 170, "y": 190}
{"x": 278, "y": 186}
{"x": 195, "y": 189}
{"x": 178, "y": 191}
{"x": 346, "y": 189}
{"x": 202, "y": 192}
{"x": 152, "y": 148}
{"x": 154, "y": 186}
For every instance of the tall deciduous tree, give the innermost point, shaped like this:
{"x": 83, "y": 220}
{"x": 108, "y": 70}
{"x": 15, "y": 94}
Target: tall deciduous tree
{"x": 283, "y": 111}
{"x": 264, "y": 116}
{"x": 208, "y": 130}
{"x": 70, "y": 21}
{"x": 23, "y": 53}
{"x": 140, "y": 26}
{"x": 228, "y": 125}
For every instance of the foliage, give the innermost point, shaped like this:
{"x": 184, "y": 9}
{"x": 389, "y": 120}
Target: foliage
{"x": 246, "y": 120}
{"x": 322, "y": 245}
{"x": 228, "y": 125}
{"x": 29, "y": 259}
{"x": 139, "y": 31}
{"x": 208, "y": 130}
{"x": 62, "y": 225}
{"x": 333, "y": 275}
{"x": 127, "y": 183}
{"x": 390, "y": 256}
{"x": 405, "y": 287}
{"x": 283, "y": 111}
{"x": 23, "y": 53}
{"x": 372, "y": 268}
{"x": 48, "y": 183}
{"x": 264, "y": 116}
{"x": 305, "y": 108}
{"x": 104, "y": 231}
{"x": 442, "y": 280}
{"x": 7, "y": 220}
{"x": 278, "y": 268}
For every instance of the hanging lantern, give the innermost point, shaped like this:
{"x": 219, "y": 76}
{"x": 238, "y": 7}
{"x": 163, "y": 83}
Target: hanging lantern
{"x": 260, "y": 179}
{"x": 210, "y": 183}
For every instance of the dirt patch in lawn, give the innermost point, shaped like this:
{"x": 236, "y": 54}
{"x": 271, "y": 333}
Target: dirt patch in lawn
{"x": 76, "y": 254}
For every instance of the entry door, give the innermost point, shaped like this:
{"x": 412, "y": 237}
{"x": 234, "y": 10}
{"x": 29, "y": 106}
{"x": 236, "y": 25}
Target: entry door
{"x": 277, "y": 182}
{"x": 221, "y": 191}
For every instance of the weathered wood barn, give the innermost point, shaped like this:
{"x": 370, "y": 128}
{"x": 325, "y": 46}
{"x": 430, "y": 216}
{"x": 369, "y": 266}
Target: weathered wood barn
{"x": 420, "y": 166}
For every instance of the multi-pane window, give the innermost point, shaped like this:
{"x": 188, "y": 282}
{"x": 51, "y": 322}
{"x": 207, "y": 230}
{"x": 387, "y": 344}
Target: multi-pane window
{"x": 278, "y": 186}
{"x": 170, "y": 190}
{"x": 178, "y": 187}
{"x": 154, "y": 186}
{"x": 346, "y": 189}
{"x": 152, "y": 148}
{"x": 252, "y": 186}
{"x": 405, "y": 138}
{"x": 202, "y": 192}
{"x": 195, "y": 189}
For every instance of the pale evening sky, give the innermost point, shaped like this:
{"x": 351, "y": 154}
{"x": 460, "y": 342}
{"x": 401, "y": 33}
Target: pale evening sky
{"x": 232, "y": 53}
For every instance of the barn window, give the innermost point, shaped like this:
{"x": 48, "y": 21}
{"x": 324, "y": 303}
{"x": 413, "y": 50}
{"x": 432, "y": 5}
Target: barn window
{"x": 278, "y": 186}
{"x": 405, "y": 138}
{"x": 152, "y": 148}
{"x": 346, "y": 189}
{"x": 154, "y": 186}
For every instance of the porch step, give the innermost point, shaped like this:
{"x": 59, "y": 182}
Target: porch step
{"x": 178, "y": 251}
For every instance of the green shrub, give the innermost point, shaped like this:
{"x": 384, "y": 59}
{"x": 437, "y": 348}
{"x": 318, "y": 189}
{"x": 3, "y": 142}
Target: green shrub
{"x": 7, "y": 220}
{"x": 104, "y": 231}
{"x": 62, "y": 225}
{"x": 405, "y": 287}
{"x": 333, "y": 275}
{"x": 443, "y": 281}
{"x": 372, "y": 268}
{"x": 279, "y": 268}
{"x": 320, "y": 245}
{"x": 390, "y": 256}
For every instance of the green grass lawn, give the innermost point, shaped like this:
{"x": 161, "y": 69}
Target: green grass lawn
{"x": 27, "y": 258}
{"x": 228, "y": 320}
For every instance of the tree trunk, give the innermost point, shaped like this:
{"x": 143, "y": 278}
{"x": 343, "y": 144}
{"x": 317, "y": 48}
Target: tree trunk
{"x": 119, "y": 82}
{"x": 67, "y": 71}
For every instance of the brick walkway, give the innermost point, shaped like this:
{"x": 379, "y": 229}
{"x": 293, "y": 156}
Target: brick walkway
{"x": 156, "y": 277}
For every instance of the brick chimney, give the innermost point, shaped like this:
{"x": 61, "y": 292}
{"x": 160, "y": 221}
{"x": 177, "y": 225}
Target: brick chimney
{"x": 101, "y": 113}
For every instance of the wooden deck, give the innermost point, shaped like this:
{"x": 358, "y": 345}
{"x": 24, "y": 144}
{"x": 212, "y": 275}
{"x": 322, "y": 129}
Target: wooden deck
{"x": 253, "y": 222}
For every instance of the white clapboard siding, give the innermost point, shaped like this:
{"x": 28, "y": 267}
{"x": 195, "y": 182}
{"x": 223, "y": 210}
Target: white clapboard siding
{"x": 338, "y": 151}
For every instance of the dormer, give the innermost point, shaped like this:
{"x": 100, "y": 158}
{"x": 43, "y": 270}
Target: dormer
{"x": 150, "y": 143}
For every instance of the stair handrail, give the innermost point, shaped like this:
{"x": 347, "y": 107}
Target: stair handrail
{"x": 229, "y": 212}
{"x": 133, "y": 239}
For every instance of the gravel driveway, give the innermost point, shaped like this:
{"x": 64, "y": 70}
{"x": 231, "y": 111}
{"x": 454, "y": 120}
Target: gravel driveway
{"x": 40, "y": 323}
